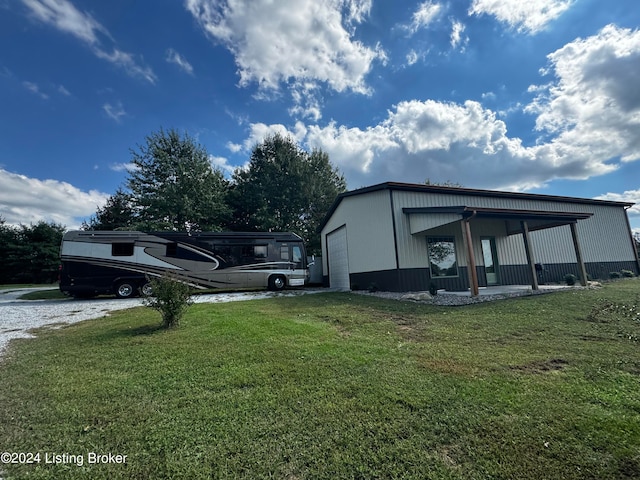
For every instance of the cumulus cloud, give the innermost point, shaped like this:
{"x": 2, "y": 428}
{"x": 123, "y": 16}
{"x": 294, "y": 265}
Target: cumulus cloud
{"x": 177, "y": 59}
{"x": 65, "y": 17}
{"x": 465, "y": 143}
{"x": 588, "y": 118}
{"x": 25, "y": 200}
{"x": 429, "y": 139}
{"x": 631, "y": 196}
{"x": 593, "y": 105}
{"x": 222, "y": 164}
{"x": 524, "y": 16}
{"x": 292, "y": 43}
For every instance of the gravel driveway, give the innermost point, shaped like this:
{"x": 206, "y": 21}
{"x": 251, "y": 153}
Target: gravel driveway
{"x": 18, "y": 317}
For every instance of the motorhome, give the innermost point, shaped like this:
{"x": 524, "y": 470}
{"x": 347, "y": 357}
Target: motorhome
{"x": 121, "y": 263}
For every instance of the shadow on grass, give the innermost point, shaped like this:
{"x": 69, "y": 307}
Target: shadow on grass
{"x": 133, "y": 332}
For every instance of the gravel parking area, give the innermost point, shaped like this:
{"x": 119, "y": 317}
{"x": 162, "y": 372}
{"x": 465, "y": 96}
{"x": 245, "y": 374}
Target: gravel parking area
{"x": 19, "y": 317}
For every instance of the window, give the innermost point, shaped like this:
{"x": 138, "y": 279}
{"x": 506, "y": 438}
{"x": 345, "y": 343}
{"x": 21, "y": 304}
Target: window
{"x": 442, "y": 256}
{"x": 172, "y": 249}
{"x": 122, "y": 249}
{"x": 284, "y": 252}
{"x": 297, "y": 254}
{"x": 260, "y": 251}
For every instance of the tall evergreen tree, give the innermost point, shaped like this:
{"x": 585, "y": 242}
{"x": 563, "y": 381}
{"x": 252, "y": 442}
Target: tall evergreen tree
{"x": 284, "y": 188}
{"x": 117, "y": 214}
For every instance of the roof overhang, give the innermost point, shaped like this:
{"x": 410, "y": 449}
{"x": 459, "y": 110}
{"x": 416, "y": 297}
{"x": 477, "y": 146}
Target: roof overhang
{"x": 426, "y": 218}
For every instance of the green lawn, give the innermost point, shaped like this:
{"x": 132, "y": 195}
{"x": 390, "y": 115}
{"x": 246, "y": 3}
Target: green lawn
{"x": 333, "y": 386}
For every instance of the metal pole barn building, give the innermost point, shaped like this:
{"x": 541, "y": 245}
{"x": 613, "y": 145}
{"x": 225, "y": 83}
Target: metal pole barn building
{"x": 404, "y": 237}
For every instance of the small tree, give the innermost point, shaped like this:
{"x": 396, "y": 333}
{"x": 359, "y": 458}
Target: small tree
{"x": 170, "y": 297}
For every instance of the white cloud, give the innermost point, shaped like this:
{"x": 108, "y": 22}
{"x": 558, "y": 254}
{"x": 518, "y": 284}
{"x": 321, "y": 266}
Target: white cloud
{"x": 631, "y": 196}
{"x": 64, "y": 16}
{"x": 275, "y": 43}
{"x": 521, "y": 15}
{"x": 589, "y": 119}
{"x": 222, "y": 163}
{"x": 465, "y": 143}
{"x": 593, "y": 106}
{"x": 115, "y": 112}
{"x": 62, "y": 90}
{"x": 426, "y": 14}
{"x": 177, "y": 59}
{"x": 412, "y": 57}
{"x": 457, "y": 40}
{"x": 123, "y": 167}
{"x": 258, "y": 132}
{"x": 35, "y": 89}
{"x": 25, "y": 200}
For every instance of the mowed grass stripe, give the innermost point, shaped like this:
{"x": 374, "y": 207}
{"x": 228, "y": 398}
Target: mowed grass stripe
{"x": 335, "y": 386}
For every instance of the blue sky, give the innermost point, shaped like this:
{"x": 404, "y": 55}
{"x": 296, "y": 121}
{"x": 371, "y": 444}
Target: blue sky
{"x": 540, "y": 96}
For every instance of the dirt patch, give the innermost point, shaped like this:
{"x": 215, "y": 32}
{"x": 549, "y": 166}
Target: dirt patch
{"x": 544, "y": 366}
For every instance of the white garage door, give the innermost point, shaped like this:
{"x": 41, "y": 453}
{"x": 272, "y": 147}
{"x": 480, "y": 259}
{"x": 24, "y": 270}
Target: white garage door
{"x": 338, "y": 259}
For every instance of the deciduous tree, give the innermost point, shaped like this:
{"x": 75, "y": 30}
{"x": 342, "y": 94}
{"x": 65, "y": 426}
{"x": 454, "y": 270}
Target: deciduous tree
{"x": 172, "y": 185}
{"x": 285, "y": 188}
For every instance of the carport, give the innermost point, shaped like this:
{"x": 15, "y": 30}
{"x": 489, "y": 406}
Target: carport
{"x": 517, "y": 221}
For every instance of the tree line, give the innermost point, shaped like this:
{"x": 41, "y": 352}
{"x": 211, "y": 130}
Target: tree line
{"x": 30, "y": 254}
{"x": 172, "y": 185}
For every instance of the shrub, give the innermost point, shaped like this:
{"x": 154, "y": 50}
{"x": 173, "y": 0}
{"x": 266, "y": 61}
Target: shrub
{"x": 570, "y": 279}
{"x": 373, "y": 287}
{"x": 433, "y": 289}
{"x": 627, "y": 273}
{"x": 170, "y": 297}
{"x": 615, "y": 275}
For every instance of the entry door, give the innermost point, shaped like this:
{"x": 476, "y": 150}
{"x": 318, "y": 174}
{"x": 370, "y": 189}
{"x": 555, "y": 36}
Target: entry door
{"x": 490, "y": 260}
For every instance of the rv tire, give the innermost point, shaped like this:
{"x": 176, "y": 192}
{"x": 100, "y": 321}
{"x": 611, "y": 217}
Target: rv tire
{"x": 146, "y": 289}
{"x": 125, "y": 289}
{"x": 277, "y": 282}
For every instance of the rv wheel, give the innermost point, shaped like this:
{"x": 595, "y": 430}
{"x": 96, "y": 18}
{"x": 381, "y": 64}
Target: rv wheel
{"x": 277, "y": 282}
{"x": 146, "y": 289}
{"x": 125, "y": 290}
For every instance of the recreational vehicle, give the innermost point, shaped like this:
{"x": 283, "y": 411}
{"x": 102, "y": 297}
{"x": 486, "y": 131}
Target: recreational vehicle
{"x": 121, "y": 263}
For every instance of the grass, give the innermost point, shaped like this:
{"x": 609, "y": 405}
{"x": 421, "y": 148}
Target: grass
{"x": 53, "y": 294}
{"x": 335, "y": 386}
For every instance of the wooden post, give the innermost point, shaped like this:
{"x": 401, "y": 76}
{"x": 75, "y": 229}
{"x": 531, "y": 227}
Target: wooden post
{"x": 471, "y": 259}
{"x": 576, "y": 246}
{"x": 529, "y": 252}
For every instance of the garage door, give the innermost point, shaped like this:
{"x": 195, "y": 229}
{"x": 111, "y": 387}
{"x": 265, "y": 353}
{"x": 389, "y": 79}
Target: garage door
{"x": 338, "y": 259}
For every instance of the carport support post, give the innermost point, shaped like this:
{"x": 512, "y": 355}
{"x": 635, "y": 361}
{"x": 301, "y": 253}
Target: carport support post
{"x": 529, "y": 252}
{"x": 576, "y": 246}
{"x": 471, "y": 259}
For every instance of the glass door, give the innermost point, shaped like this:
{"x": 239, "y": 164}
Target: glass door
{"x": 490, "y": 260}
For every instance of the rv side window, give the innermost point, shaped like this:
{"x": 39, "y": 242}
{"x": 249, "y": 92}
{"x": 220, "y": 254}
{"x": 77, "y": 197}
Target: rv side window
{"x": 122, "y": 249}
{"x": 297, "y": 254}
{"x": 260, "y": 251}
{"x": 172, "y": 249}
{"x": 284, "y": 252}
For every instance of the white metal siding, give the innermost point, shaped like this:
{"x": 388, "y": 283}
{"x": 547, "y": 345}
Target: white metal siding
{"x": 370, "y": 241}
{"x": 604, "y": 237}
{"x": 338, "y": 259}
